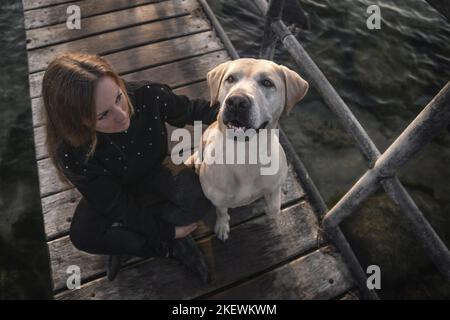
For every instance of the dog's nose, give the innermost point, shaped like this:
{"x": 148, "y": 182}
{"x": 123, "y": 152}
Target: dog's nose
{"x": 239, "y": 102}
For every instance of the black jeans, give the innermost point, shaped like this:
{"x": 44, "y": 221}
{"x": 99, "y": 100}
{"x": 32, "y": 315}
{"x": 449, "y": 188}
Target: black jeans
{"x": 179, "y": 199}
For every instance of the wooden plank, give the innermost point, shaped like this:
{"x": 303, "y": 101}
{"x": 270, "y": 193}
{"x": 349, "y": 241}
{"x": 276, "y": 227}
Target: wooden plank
{"x": 114, "y": 41}
{"x": 58, "y": 208}
{"x": 317, "y": 276}
{"x": 58, "y": 211}
{"x": 174, "y": 74}
{"x": 39, "y": 143}
{"x": 35, "y": 81}
{"x": 166, "y": 51}
{"x": 35, "y": 4}
{"x": 253, "y": 246}
{"x": 111, "y": 21}
{"x": 351, "y": 295}
{"x": 50, "y": 183}
{"x": 180, "y": 73}
{"x": 58, "y": 13}
{"x": 195, "y": 90}
{"x": 37, "y": 110}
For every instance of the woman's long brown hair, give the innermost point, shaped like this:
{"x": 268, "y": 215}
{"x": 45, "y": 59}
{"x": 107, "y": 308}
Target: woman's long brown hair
{"x": 68, "y": 96}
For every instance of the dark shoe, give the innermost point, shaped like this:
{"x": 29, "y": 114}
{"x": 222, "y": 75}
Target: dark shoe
{"x": 186, "y": 251}
{"x": 114, "y": 264}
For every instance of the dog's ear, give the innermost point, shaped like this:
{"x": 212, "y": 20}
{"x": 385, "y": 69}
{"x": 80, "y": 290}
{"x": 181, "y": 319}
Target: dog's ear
{"x": 214, "y": 78}
{"x": 296, "y": 87}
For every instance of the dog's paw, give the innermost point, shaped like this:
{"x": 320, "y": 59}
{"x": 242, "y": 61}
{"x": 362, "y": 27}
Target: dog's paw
{"x": 222, "y": 229}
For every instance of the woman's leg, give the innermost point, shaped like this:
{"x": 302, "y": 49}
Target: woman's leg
{"x": 180, "y": 186}
{"x": 174, "y": 214}
{"x": 92, "y": 233}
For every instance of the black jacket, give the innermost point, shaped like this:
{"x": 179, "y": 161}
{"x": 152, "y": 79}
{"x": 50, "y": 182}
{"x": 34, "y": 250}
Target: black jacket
{"x": 123, "y": 161}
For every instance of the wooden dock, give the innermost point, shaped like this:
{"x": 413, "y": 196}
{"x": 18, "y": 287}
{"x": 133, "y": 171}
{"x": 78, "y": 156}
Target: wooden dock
{"x": 175, "y": 43}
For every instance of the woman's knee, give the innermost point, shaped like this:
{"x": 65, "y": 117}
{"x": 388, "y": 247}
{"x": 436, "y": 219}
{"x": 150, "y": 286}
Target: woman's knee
{"x": 79, "y": 238}
{"x": 191, "y": 196}
{"x": 84, "y": 229}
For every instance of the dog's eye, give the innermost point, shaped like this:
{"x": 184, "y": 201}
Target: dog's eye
{"x": 230, "y": 79}
{"x": 267, "y": 83}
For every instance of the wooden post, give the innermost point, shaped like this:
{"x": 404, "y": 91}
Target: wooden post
{"x": 270, "y": 39}
{"x": 433, "y": 119}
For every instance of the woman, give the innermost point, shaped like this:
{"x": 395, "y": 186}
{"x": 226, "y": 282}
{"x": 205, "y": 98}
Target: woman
{"x": 107, "y": 137}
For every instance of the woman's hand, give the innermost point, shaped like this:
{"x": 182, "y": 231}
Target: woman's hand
{"x": 183, "y": 231}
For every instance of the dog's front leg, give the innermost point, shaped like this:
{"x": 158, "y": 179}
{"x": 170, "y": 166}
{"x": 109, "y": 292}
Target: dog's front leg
{"x": 273, "y": 201}
{"x": 222, "y": 227}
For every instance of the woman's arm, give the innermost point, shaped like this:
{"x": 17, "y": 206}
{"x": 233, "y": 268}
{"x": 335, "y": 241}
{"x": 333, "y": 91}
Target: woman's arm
{"x": 112, "y": 199}
{"x": 179, "y": 110}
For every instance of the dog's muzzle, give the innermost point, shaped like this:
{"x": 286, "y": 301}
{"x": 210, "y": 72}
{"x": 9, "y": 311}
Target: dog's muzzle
{"x": 237, "y": 113}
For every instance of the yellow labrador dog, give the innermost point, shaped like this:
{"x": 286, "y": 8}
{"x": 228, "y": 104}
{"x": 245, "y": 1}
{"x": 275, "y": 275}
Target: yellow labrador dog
{"x": 253, "y": 93}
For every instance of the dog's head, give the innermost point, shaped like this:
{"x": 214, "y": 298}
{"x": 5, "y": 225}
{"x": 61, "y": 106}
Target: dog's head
{"x": 253, "y": 93}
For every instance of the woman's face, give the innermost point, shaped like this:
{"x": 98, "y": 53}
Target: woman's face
{"x": 111, "y": 107}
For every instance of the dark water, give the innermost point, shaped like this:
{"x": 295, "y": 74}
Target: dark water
{"x": 24, "y": 270}
{"x": 386, "y": 77}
